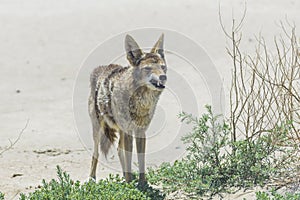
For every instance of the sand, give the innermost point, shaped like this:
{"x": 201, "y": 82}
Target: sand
{"x": 43, "y": 45}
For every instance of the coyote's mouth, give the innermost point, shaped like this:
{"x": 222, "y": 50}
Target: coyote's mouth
{"x": 157, "y": 84}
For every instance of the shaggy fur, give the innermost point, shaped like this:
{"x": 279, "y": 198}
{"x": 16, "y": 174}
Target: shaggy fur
{"x": 123, "y": 100}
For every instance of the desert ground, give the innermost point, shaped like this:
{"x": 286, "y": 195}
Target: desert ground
{"x": 45, "y": 44}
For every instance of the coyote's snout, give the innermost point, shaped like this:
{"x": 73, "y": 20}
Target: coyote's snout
{"x": 123, "y": 100}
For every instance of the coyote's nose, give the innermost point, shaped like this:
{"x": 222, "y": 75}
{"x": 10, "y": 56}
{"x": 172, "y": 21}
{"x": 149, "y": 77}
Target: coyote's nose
{"x": 162, "y": 77}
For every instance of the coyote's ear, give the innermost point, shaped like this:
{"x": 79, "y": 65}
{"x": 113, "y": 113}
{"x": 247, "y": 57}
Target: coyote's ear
{"x": 159, "y": 46}
{"x": 133, "y": 51}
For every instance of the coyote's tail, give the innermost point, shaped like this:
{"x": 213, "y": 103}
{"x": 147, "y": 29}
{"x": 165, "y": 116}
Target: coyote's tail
{"x": 107, "y": 139}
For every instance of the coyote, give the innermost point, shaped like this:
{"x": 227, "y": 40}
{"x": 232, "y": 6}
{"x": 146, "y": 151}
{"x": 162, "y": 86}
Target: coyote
{"x": 122, "y": 101}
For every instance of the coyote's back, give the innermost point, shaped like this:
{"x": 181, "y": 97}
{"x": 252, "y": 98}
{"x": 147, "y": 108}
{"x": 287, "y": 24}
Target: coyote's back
{"x": 123, "y": 100}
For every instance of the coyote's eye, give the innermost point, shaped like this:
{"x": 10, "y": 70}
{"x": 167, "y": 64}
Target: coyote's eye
{"x": 148, "y": 68}
{"x": 164, "y": 67}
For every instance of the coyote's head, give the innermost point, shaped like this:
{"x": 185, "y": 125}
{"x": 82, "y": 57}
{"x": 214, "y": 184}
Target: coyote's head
{"x": 149, "y": 68}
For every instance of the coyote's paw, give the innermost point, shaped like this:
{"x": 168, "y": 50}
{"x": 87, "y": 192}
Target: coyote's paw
{"x": 90, "y": 179}
{"x": 143, "y": 184}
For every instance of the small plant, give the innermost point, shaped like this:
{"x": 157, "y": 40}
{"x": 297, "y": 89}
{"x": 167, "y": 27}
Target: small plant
{"x": 273, "y": 195}
{"x": 203, "y": 170}
{"x": 214, "y": 163}
{"x": 1, "y": 196}
{"x": 113, "y": 187}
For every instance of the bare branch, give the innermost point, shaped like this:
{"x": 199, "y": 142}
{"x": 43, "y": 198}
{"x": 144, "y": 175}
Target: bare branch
{"x": 12, "y": 143}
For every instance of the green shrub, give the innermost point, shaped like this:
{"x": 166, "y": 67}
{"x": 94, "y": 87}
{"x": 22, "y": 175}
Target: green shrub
{"x": 273, "y": 195}
{"x": 203, "y": 168}
{"x": 1, "y": 196}
{"x": 111, "y": 188}
{"x": 214, "y": 163}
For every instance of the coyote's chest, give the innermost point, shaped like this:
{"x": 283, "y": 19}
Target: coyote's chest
{"x": 142, "y": 105}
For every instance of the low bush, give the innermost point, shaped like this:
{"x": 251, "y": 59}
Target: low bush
{"x": 273, "y": 195}
{"x": 1, "y": 196}
{"x": 113, "y": 187}
{"x": 214, "y": 163}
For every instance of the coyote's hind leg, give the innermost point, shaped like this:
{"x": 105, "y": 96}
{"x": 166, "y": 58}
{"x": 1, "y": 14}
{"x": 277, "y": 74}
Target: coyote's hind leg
{"x": 96, "y": 138}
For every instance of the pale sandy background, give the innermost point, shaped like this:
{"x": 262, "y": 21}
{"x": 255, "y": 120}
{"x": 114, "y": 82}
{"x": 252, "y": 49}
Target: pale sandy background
{"x": 42, "y": 46}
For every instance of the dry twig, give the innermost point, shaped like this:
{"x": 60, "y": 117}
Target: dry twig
{"x": 12, "y": 143}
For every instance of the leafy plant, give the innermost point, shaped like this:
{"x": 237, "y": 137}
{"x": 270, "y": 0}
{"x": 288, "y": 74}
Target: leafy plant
{"x": 273, "y": 195}
{"x": 214, "y": 163}
{"x": 203, "y": 168}
{"x": 111, "y": 188}
{"x": 1, "y": 196}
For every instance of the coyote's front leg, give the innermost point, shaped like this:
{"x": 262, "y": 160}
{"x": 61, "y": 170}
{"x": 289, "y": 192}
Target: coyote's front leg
{"x": 125, "y": 155}
{"x": 140, "y": 147}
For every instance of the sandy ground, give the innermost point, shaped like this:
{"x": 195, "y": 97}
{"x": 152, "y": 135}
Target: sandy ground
{"x": 44, "y": 43}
